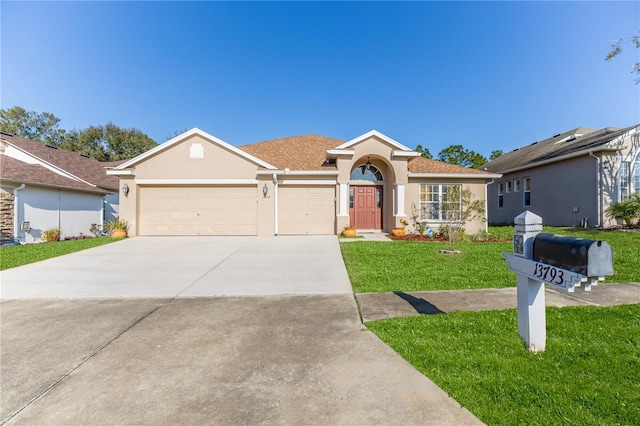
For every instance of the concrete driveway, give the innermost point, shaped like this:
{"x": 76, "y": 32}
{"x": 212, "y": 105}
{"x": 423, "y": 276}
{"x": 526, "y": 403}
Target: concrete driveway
{"x": 85, "y": 343}
{"x": 187, "y": 267}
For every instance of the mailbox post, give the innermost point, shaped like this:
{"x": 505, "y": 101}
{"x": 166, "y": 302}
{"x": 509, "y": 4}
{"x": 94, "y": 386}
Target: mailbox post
{"x": 561, "y": 261}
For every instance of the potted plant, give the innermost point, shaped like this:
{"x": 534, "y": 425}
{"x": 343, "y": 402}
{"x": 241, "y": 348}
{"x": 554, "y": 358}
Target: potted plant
{"x": 117, "y": 228}
{"x": 400, "y": 231}
{"x": 349, "y": 231}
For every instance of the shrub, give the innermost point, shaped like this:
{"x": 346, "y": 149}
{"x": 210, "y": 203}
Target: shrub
{"x": 116, "y": 224}
{"x": 627, "y": 210}
{"x": 51, "y": 235}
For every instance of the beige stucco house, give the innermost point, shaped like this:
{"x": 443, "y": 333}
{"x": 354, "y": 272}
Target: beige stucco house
{"x": 197, "y": 184}
{"x": 568, "y": 179}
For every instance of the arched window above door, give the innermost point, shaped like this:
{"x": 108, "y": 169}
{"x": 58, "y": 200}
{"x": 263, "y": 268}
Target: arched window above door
{"x": 366, "y": 172}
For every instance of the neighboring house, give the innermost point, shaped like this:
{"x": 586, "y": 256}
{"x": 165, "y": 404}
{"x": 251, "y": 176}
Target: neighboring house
{"x": 569, "y": 179}
{"x": 197, "y": 184}
{"x": 44, "y": 187}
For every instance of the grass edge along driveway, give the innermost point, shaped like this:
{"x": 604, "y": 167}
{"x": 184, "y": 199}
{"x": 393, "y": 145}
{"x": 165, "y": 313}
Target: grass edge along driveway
{"x": 18, "y": 255}
{"x": 418, "y": 266}
{"x": 588, "y": 374}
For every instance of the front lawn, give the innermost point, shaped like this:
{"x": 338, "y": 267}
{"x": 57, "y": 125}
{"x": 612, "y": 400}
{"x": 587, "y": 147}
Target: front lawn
{"x": 19, "y": 255}
{"x": 418, "y": 266}
{"x": 588, "y": 374}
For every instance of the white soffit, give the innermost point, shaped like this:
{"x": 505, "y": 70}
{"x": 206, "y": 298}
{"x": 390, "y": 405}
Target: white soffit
{"x": 185, "y": 135}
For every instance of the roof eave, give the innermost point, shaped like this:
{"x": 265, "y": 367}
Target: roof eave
{"x": 455, "y": 175}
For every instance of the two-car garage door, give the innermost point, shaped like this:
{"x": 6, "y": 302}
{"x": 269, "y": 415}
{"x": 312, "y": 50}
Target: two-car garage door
{"x": 198, "y": 210}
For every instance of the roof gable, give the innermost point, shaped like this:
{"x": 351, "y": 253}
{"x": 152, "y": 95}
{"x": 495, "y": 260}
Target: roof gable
{"x": 186, "y": 135}
{"x": 377, "y": 135}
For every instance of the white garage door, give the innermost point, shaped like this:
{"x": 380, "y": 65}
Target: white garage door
{"x": 197, "y": 210}
{"x": 306, "y": 209}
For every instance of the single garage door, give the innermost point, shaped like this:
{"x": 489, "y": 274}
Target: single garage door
{"x": 197, "y": 210}
{"x": 309, "y": 209}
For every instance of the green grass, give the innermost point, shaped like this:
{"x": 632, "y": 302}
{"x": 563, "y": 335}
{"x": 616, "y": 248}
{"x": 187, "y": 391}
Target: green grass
{"x": 588, "y": 375}
{"x": 418, "y": 266}
{"x": 19, "y": 255}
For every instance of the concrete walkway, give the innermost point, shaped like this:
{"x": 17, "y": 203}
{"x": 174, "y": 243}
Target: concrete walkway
{"x": 375, "y": 306}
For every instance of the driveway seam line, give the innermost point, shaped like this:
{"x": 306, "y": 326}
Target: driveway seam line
{"x": 468, "y": 302}
{"x": 84, "y": 361}
{"x": 214, "y": 268}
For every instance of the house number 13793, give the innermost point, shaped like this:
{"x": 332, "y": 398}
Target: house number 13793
{"x": 549, "y": 274}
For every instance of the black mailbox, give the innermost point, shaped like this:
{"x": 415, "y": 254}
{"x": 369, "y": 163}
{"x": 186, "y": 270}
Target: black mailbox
{"x": 590, "y": 258}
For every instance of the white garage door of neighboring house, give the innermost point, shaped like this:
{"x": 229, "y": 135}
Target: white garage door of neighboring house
{"x": 308, "y": 209}
{"x": 197, "y": 210}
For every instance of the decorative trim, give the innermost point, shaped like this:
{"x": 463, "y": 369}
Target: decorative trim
{"x": 373, "y": 133}
{"x": 455, "y": 175}
{"x": 307, "y": 182}
{"x": 299, "y": 172}
{"x": 397, "y": 153}
{"x": 114, "y": 172}
{"x": 196, "y": 181}
{"x": 340, "y": 152}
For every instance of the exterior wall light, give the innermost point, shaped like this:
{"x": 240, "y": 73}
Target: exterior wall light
{"x": 265, "y": 190}
{"x": 125, "y": 189}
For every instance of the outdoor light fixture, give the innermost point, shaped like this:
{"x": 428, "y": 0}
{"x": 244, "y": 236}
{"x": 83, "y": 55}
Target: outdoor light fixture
{"x": 125, "y": 189}
{"x": 368, "y": 165}
{"x": 265, "y": 190}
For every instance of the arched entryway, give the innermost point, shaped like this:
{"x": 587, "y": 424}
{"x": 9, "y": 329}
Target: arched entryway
{"x": 366, "y": 197}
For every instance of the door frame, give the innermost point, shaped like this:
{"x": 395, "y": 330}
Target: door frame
{"x": 378, "y": 224}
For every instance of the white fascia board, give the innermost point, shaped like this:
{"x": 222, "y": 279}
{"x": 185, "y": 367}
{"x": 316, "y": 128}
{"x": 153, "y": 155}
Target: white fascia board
{"x": 307, "y": 182}
{"x": 114, "y": 172}
{"x": 187, "y": 134}
{"x": 196, "y": 181}
{"x": 340, "y": 152}
{"x": 374, "y": 133}
{"x": 455, "y": 175}
{"x": 405, "y": 154}
{"x": 299, "y": 172}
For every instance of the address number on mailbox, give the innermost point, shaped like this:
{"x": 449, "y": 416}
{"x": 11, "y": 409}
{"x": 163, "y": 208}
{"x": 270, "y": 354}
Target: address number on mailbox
{"x": 549, "y": 274}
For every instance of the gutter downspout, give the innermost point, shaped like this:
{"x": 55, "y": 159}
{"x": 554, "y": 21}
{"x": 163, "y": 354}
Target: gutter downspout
{"x": 102, "y": 211}
{"x": 600, "y": 223}
{"x": 486, "y": 205}
{"x": 16, "y": 211}
{"x": 275, "y": 204}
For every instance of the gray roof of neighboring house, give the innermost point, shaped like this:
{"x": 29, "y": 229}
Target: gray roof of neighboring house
{"x": 86, "y": 168}
{"x": 569, "y": 142}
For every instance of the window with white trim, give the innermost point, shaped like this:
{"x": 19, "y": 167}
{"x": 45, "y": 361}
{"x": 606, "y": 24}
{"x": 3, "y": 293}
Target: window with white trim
{"x": 526, "y": 195}
{"x": 625, "y": 180}
{"x": 366, "y": 172}
{"x": 440, "y": 202}
{"x": 508, "y": 186}
{"x": 516, "y": 185}
{"x": 635, "y": 179}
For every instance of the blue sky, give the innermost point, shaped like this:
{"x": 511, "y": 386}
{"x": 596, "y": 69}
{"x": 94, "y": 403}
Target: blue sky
{"x": 487, "y": 75}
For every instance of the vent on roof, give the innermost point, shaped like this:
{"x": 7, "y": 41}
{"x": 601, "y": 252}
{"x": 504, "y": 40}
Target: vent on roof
{"x": 51, "y": 146}
{"x": 84, "y": 155}
{"x": 535, "y": 143}
{"x": 555, "y": 136}
{"x": 7, "y": 133}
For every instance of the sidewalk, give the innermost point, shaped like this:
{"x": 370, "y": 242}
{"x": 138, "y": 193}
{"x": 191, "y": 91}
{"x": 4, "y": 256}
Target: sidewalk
{"x": 375, "y": 306}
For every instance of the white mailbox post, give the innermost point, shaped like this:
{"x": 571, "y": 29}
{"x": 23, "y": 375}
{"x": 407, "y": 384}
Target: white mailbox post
{"x": 561, "y": 261}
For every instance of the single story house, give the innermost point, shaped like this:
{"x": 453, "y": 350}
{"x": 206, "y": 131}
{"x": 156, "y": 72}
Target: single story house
{"x": 568, "y": 179}
{"x": 43, "y": 187}
{"x": 197, "y": 184}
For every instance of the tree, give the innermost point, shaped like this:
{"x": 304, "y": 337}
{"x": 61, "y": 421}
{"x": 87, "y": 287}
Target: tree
{"x": 495, "y": 154}
{"x": 458, "y": 155}
{"x": 424, "y": 152}
{"x": 38, "y": 126}
{"x": 108, "y": 143}
{"x": 616, "y": 49}
{"x": 176, "y": 133}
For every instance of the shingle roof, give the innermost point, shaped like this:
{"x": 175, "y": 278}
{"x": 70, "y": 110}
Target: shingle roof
{"x": 85, "y": 168}
{"x": 309, "y": 152}
{"x": 18, "y": 171}
{"x": 572, "y": 141}
{"x": 306, "y": 152}
{"x": 425, "y": 165}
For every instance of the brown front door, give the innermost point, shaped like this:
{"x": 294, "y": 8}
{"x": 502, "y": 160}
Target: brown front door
{"x": 366, "y": 211}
